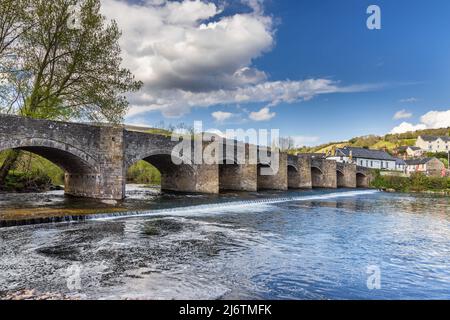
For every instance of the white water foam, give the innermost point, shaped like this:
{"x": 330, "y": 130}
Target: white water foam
{"x": 201, "y": 210}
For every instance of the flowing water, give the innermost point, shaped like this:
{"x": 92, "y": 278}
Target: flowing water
{"x": 323, "y": 244}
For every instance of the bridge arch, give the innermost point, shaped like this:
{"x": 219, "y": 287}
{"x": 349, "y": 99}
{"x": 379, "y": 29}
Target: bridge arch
{"x": 362, "y": 180}
{"x": 69, "y": 158}
{"x": 340, "y": 179}
{"x": 173, "y": 177}
{"x": 316, "y": 176}
{"x": 293, "y": 176}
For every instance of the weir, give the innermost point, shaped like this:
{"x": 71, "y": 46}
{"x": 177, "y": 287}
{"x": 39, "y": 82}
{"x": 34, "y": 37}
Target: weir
{"x": 95, "y": 159}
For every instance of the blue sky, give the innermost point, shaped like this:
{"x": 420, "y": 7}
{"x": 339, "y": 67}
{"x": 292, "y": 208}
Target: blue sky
{"x": 404, "y": 67}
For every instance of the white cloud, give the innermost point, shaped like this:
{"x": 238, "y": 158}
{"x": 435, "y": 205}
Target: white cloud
{"x": 430, "y": 120}
{"x": 222, "y": 116}
{"x": 436, "y": 119}
{"x": 262, "y": 115}
{"x": 189, "y": 54}
{"x": 402, "y": 114}
{"x": 407, "y": 127}
{"x": 409, "y": 100}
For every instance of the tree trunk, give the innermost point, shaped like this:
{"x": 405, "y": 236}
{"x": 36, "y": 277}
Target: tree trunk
{"x": 8, "y": 165}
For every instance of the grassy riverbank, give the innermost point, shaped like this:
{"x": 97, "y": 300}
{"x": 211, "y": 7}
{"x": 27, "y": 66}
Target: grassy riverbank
{"x": 415, "y": 183}
{"x": 32, "y": 173}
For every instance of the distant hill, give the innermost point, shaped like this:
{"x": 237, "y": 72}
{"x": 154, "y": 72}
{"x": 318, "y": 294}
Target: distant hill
{"x": 388, "y": 142}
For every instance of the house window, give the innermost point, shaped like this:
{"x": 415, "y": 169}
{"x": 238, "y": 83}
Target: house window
{"x": 367, "y": 163}
{"x": 371, "y": 164}
{"x": 382, "y": 164}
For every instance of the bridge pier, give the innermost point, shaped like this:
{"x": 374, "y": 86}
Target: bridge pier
{"x": 234, "y": 176}
{"x": 346, "y": 175}
{"x": 278, "y": 180}
{"x": 109, "y": 180}
{"x": 299, "y": 172}
{"x": 304, "y": 164}
{"x": 238, "y": 177}
{"x": 323, "y": 173}
{"x": 363, "y": 177}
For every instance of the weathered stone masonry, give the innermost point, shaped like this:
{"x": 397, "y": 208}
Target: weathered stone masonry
{"x": 323, "y": 173}
{"x": 95, "y": 159}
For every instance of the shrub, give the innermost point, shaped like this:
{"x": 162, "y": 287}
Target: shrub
{"x": 35, "y": 181}
{"x": 416, "y": 182}
{"x": 143, "y": 173}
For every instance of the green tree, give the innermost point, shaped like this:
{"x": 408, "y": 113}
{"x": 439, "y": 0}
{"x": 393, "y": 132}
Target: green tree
{"x": 67, "y": 65}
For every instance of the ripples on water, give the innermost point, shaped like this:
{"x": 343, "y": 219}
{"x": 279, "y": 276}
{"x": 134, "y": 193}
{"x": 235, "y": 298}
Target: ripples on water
{"x": 314, "y": 246}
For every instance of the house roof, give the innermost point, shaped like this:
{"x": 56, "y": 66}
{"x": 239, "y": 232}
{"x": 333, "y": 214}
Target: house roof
{"x": 400, "y": 162}
{"x": 365, "y": 153}
{"x": 415, "y": 148}
{"x": 434, "y": 138}
{"x": 415, "y": 162}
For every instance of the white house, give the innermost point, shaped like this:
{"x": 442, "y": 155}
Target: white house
{"x": 433, "y": 143}
{"x": 373, "y": 159}
{"x": 400, "y": 165}
{"x": 414, "y": 152}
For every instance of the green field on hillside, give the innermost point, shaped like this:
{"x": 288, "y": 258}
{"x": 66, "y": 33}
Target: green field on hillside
{"x": 389, "y": 142}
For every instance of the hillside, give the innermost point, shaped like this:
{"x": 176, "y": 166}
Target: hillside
{"x": 389, "y": 142}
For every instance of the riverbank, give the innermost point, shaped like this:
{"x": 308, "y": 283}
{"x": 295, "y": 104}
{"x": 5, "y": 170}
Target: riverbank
{"x": 426, "y": 192}
{"x": 416, "y": 183}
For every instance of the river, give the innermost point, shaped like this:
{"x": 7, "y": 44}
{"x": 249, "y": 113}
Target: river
{"x": 321, "y": 244}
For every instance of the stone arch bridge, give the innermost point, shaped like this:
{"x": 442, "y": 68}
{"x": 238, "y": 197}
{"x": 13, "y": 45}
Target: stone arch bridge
{"x": 95, "y": 159}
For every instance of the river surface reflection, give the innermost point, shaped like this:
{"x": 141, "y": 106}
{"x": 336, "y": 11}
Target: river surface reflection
{"x": 298, "y": 245}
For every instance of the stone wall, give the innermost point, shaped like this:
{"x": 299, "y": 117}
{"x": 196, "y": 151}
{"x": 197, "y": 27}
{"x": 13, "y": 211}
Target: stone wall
{"x": 91, "y": 156}
{"x": 95, "y": 159}
{"x": 364, "y": 177}
{"x": 278, "y": 180}
{"x": 304, "y": 165}
{"x": 238, "y": 177}
{"x": 346, "y": 175}
{"x": 299, "y": 172}
{"x": 323, "y": 173}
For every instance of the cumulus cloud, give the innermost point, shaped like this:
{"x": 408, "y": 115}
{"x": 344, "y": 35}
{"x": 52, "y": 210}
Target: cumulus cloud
{"x": 189, "y": 54}
{"x": 430, "y": 120}
{"x": 221, "y": 116}
{"x": 402, "y": 114}
{"x": 407, "y": 127}
{"x": 262, "y": 115}
{"x": 436, "y": 119}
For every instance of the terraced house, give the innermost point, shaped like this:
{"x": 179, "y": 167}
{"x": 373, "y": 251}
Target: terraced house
{"x": 373, "y": 159}
{"x": 433, "y": 143}
{"x": 428, "y": 166}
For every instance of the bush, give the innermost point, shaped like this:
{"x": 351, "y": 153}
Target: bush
{"x": 36, "y": 181}
{"x": 143, "y": 173}
{"x": 416, "y": 182}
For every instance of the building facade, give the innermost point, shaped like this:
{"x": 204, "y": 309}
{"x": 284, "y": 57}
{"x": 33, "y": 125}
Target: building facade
{"x": 400, "y": 165}
{"x": 373, "y": 159}
{"x": 414, "y": 152}
{"x": 428, "y": 166}
{"x": 433, "y": 143}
